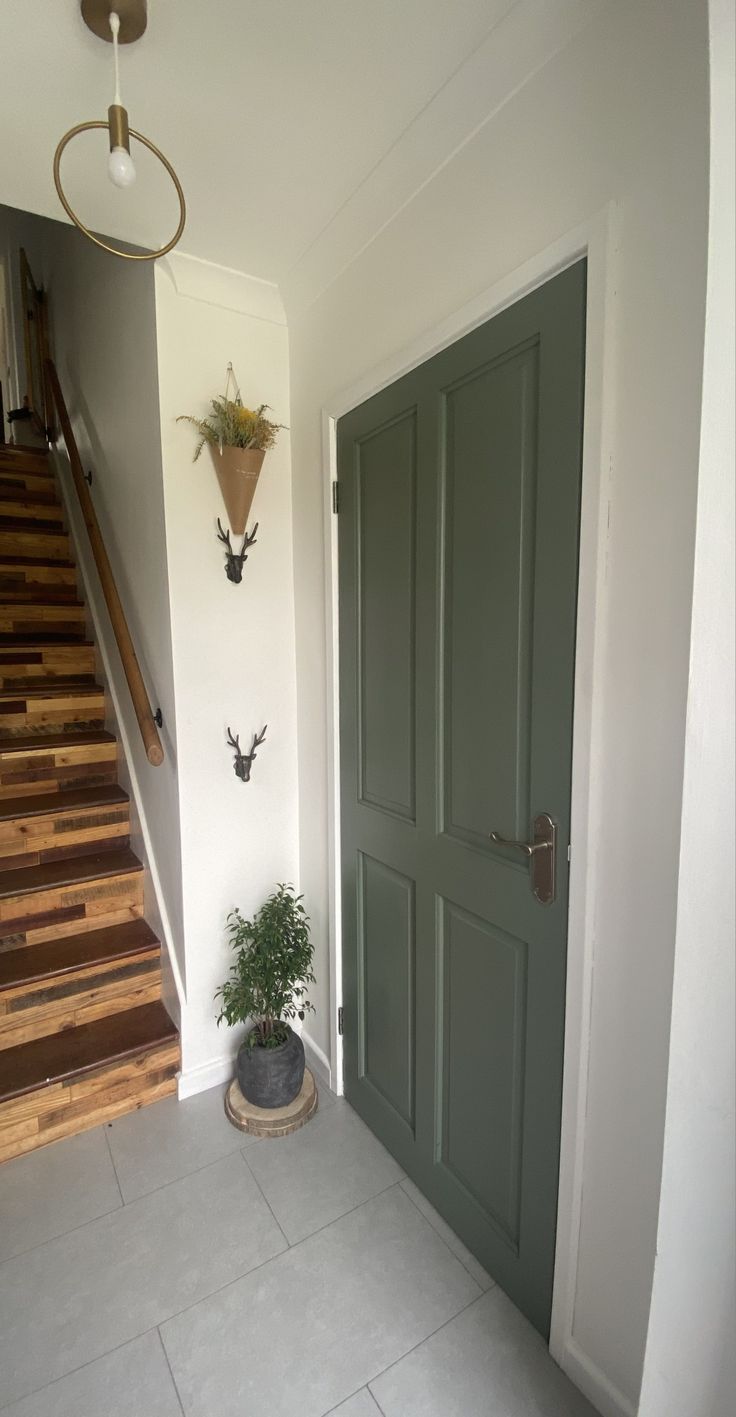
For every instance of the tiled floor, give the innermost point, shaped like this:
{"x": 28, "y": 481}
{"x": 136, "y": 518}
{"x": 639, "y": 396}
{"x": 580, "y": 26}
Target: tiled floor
{"x": 168, "y": 1265}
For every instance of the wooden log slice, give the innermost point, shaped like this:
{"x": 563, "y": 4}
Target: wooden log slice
{"x": 271, "y": 1121}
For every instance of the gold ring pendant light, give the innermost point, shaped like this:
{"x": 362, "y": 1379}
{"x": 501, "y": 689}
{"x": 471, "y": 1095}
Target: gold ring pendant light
{"x": 118, "y": 21}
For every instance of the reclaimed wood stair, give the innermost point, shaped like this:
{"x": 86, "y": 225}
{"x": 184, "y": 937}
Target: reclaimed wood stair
{"x": 84, "y": 1036}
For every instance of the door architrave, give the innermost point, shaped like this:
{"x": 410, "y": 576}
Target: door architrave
{"x": 594, "y": 240}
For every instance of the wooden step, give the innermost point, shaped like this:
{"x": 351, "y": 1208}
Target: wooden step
{"x": 24, "y": 539}
{"x": 22, "y": 664}
{"x": 47, "y": 762}
{"x": 19, "y": 480}
{"x": 55, "y": 986}
{"x": 52, "y": 707}
{"x": 50, "y": 896}
{"x": 14, "y": 459}
{"x": 43, "y": 620}
{"x": 59, "y": 1085}
{"x": 36, "y": 579}
{"x": 28, "y": 506}
{"x": 21, "y": 592}
{"x": 47, "y": 520}
{"x": 57, "y": 825}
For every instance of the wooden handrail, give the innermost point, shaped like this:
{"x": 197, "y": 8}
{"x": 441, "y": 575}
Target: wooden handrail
{"x": 131, "y": 667}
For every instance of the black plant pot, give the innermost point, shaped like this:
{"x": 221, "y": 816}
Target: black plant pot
{"x": 271, "y": 1077}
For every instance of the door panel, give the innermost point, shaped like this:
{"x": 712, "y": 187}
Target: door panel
{"x": 386, "y": 943}
{"x": 386, "y": 472}
{"x": 488, "y": 494}
{"x": 483, "y": 997}
{"x": 458, "y": 533}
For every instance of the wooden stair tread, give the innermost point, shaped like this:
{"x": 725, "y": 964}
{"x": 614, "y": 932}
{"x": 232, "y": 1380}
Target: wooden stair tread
{"x": 82, "y": 951}
{"x": 75, "y": 870}
{"x": 42, "y": 526}
{"x": 17, "y": 643}
{"x": 78, "y": 1051}
{"x": 53, "y": 803}
{"x": 42, "y": 562}
{"x": 54, "y": 689}
{"x": 31, "y": 742}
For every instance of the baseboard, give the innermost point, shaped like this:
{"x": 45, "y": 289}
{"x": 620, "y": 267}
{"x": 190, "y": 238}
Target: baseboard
{"x": 594, "y": 1384}
{"x": 200, "y": 1079}
{"x": 317, "y": 1061}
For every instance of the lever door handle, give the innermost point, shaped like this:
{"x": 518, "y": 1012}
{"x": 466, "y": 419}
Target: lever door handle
{"x": 541, "y": 852}
{"x": 528, "y": 847}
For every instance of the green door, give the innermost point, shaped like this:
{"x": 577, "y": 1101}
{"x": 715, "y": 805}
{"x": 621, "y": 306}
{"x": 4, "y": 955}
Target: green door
{"x": 458, "y": 546}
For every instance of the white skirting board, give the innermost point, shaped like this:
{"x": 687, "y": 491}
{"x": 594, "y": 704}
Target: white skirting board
{"x": 318, "y": 1063}
{"x": 594, "y": 1384}
{"x": 212, "y": 1074}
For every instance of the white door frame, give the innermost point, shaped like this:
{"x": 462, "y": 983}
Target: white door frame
{"x": 595, "y": 240}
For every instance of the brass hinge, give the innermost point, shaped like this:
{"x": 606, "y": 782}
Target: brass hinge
{"x": 335, "y": 497}
{"x": 340, "y": 1021}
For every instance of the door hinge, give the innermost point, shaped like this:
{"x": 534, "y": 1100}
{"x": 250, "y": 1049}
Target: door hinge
{"x": 335, "y": 497}
{"x": 340, "y": 1021}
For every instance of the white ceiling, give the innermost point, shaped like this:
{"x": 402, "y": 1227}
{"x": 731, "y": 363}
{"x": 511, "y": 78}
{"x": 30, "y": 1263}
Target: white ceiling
{"x": 274, "y": 115}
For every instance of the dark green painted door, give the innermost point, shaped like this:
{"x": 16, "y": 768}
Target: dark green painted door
{"x": 458, "y": 547}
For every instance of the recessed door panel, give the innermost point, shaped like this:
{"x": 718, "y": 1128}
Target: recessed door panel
{"x": 386, "y": 475}
{"x": 489, "y": 504}
{"x": 386, "y": 943}
{"x": 481, "y": 1063}
{"x": 458, "y": 550}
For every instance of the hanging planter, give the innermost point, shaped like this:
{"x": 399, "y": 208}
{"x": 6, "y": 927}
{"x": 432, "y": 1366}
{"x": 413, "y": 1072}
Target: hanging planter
{"x": 238, "y": 470}
{"x": 238, "y": 439}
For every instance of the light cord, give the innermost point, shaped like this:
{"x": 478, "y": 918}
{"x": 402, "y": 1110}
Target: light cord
{"x": 115, "y": 27}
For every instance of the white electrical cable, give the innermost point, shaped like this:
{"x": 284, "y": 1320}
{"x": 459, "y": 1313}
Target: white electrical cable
{"x": 115, "y": 27}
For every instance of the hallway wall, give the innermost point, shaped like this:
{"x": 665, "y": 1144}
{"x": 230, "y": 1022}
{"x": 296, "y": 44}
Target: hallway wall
{"x": 233, "y": 645}
{"x": 620, "y": 117}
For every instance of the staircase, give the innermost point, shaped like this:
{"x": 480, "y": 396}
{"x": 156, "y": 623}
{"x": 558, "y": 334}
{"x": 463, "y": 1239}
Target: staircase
{"x": 84, "y": 1036}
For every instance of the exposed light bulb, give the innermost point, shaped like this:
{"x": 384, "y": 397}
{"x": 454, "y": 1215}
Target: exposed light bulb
{"x": 120, "y": 167}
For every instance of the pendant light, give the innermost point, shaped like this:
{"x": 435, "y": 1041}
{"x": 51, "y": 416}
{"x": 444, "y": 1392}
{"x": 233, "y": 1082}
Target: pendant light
{"x": 118, "y": 22}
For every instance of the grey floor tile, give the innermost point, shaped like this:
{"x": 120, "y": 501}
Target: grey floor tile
{"x": 314, "y": 1325}
{"x": 134, "y": 1381}
{"x": 170, "y": 1139}
{"x": 322, "y": 1171}
{"x": 86, "y": 1293}
{"x": 480, "y": 1275}
{"x": 361, "y": 1404}
{"x": 489, "y": 1362}
{"x": 55, "y": 1189}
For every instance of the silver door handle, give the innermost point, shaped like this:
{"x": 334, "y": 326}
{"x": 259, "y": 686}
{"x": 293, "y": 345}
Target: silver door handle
{"x": 542, "y": 852}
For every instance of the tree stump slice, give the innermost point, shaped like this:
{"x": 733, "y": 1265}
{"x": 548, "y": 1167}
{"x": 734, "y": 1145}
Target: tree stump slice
{"x": 271, "y": 1121}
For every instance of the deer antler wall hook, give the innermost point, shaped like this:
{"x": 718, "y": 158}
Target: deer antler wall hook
{"x": 244, "y": 761}
{"x": 234, "y": 560}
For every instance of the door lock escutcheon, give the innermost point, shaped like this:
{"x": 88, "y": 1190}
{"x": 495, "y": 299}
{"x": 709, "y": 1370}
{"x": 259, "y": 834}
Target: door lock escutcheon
{"x": 542, "y": 854}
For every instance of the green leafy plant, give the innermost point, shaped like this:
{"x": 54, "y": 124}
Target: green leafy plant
{"x": 273, "y": 964}
{"x": 231, "y": 425}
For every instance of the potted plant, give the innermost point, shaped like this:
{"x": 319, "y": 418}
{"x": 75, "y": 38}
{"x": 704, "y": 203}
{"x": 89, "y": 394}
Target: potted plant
{"x": 266, "y": 987}
{"x": 238, "y": 439}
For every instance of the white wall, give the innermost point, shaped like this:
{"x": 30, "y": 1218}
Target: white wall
{"x": 233, "y": 644}
{"x": 620, "y": 115}
{"x": 103, "y": 334}
{"x": 690, "y": 1365}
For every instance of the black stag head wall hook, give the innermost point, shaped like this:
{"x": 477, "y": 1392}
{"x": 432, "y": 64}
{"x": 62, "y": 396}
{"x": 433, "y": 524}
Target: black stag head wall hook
{"x": 244, "y": 761}
{"x": 234, "y": 560}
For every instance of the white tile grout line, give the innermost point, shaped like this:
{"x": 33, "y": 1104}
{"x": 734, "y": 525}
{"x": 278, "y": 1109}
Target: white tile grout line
{"x": 171, "y": 1371}
{"x": 262, "y": 1193}
{"x": 420, "y": 1344}
{"x": 493, "y": 1284}
{"x": 114, "y": 1167}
